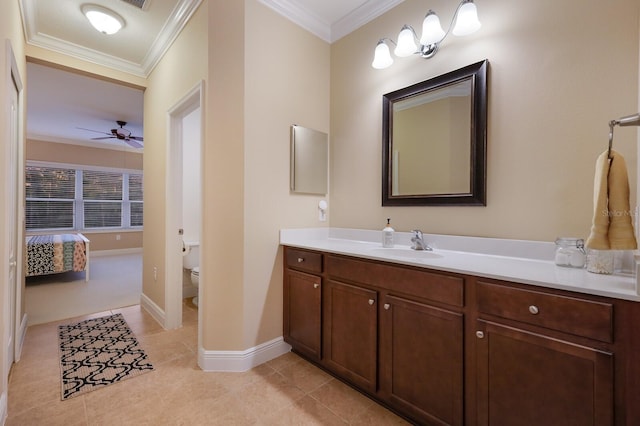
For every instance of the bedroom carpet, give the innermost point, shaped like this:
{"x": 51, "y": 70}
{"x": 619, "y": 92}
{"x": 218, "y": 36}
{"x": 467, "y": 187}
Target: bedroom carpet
{"x": 98, "y": 352}
{"x": 116, "y": 281}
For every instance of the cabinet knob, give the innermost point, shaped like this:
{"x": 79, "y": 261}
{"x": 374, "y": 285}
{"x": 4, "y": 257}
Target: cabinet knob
{"x": 371, "y": 301}
{"x": 534, "y": 309}
{"x": 480, "y": 334}
{"x": 387, "y": 306}
{"x": 300, "y": 259}
{"x": 316, "y": 285}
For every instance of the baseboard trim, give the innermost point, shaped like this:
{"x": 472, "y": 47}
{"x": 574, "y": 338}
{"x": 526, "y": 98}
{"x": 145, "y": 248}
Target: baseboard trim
{"x": 239, "y": 361}
{"x": 154, "y": 310}
{"x": 99, "y": 253}
{"x": 22, "y": 333}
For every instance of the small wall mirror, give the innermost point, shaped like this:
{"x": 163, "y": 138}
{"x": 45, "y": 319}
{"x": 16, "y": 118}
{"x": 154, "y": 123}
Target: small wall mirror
{"x": 309, "y": 160}
{"x": 434, "y": 141}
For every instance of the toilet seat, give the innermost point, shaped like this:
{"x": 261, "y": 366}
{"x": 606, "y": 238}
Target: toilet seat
{"x": 196, "y": 270}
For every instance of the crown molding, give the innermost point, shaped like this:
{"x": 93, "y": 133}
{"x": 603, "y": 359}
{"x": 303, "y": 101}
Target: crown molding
{"x": 170, "y": 31}
{"x": 300, "y": 16}
{"x": 367, "y": 12}
{"x": 80, "y": 52}
{"x": 328, "y": 32}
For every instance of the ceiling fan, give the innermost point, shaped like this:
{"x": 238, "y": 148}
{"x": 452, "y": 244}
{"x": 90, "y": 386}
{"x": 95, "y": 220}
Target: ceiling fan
{"x": 119, "y": 133}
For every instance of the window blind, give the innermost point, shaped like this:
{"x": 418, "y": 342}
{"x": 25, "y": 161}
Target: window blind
{"x": 102, "y": 197}
{"x": 135, "y": 199}
{"x": 76, "y": 199}
{"x": 50, "y": 197}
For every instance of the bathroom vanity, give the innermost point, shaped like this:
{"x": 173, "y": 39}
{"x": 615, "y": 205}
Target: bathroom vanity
{"x": 439, "y": 342}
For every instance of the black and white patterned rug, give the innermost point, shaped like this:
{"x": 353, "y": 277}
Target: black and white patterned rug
{"x": 98, "y": 352}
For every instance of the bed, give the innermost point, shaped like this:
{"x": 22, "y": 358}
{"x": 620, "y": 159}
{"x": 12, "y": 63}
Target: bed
{"x": 56, "y": 253}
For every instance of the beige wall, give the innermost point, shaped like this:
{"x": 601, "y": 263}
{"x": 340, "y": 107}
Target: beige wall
{"x": 558, "y": 73}
{"x": 183, "y": 66}
{"x": 10, "y": 32}
{"x": 83, "y": 155}
{"x": 286, "y": 83}
{"x": 252, "y": 100}
{"x": 223, "y": 231}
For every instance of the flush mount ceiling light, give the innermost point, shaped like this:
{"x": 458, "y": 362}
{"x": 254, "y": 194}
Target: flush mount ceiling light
{"x": 104, "y": 20}
{"x": 466, "y": 22}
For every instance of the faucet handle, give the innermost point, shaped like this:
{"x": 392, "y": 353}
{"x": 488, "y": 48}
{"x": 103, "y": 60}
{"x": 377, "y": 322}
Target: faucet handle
{"x": 417, "y": 233}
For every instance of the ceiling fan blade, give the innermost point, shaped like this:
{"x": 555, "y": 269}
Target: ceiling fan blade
{"x": 137, "y": 138}
{"x": 133, "y": 143}
{"x": 91, "y": 130}
{"x": 106, "y": 137}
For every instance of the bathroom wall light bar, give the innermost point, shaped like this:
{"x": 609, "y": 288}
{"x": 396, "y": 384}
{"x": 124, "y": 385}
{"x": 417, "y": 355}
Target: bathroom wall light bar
{"x": 466, "y": 22}
{"x": 104, "y": 20}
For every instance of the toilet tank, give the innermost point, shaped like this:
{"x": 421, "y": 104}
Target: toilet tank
{"x": 190, "y": 254}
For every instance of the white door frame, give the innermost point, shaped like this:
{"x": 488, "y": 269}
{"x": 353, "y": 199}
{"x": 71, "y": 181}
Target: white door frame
{"x": 173, "y": 202}
{"x": 12, "y": 338}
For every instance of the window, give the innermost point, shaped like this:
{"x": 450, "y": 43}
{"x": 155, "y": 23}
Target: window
{"x": 81, "y": 199}
{"x": 50, "y": 196}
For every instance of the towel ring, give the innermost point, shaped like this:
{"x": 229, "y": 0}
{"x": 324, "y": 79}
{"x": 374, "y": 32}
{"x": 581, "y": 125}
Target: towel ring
{"x": 629, "y": 120}
{"x": 612, "y": 124}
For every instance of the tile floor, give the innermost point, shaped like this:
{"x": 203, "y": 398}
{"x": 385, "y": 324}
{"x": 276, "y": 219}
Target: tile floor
{"x": 284, "y": 391}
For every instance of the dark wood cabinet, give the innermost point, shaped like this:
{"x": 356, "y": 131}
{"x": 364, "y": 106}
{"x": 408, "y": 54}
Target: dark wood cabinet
{"x": 302, "y": 316}
{"x": 393, "y": 321}
{"x": 543, "y": 358}
{"x": 421, "y": 360}
{"x": 350, "y": 333}
{"x": 450, "y": 349}
{"x": 526, "y": 378}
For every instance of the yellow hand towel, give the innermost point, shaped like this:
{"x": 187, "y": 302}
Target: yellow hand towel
{"x": 612, "y": 228}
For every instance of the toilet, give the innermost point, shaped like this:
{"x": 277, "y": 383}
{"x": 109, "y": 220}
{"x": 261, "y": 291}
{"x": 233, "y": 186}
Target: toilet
{"x": 190, "y": 260}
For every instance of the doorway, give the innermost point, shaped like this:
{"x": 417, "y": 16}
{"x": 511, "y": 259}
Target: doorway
{"x": 81, "y": 176}
{"x": 180, "y": 116}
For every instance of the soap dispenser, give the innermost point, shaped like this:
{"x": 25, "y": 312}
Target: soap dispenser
{"x": 387, "y": 235}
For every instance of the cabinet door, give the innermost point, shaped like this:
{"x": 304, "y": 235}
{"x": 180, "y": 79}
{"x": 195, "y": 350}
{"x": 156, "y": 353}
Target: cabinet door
{"x": 350, "y": 333}
{"x": 302, "y": 320}
{"x": 530, "y": 379}
{"x": 421, "y": 360}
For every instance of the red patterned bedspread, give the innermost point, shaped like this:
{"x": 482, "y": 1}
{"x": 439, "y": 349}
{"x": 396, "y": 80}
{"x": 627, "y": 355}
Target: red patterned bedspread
{"x": 51, "y": 254}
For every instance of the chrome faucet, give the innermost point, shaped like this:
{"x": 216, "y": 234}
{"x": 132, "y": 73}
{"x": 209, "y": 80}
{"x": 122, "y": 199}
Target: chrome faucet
{"x": 418, "y": 242}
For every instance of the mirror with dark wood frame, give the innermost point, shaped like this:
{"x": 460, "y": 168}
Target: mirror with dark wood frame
{"x": 434, "y": 141}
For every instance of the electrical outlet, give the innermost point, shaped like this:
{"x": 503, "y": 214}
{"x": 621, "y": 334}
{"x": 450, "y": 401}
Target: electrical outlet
{"x": 117, "y": 237}
{"x": 155, "y": 273}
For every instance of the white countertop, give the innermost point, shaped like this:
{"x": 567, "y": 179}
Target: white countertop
{"x": 526, "y": 262}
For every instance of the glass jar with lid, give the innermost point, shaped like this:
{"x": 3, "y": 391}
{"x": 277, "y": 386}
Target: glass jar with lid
{"x": 570, "y": 252}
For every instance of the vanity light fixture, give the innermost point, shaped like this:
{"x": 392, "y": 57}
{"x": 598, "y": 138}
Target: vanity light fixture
{"x": 466, "y": 22}
{"x": 104, "y": 20}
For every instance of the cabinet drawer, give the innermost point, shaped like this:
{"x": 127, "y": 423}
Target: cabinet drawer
{"x": 304, "y": 260}
{"x": 400, "y": 280}
{"x": 575, "y": 316}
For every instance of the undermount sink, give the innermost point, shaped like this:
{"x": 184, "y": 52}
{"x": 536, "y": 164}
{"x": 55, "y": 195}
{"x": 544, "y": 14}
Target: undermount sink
{"x": 406, "y": 252}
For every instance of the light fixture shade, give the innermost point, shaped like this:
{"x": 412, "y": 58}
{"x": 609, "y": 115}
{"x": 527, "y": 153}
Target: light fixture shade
{"x": 467, "y": 21}
{"x": 382, "y": 58}
{"x": 432, "y": 31}
{"x": 406, "y": 43}
{"x": 103, "y": 19}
